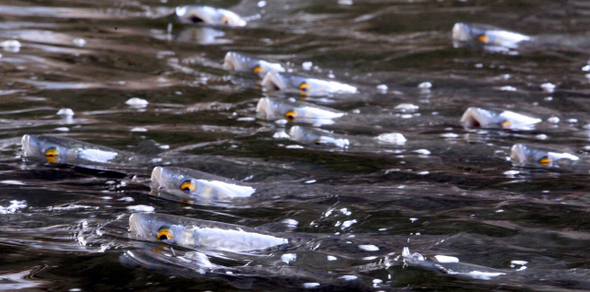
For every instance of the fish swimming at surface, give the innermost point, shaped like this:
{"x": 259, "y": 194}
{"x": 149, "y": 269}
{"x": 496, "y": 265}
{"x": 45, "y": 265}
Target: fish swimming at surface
{"x": 197, "y": 186}
{"x": 194, "y": 233}
{"x": 296, "y": 111}
{"x": 487, "y": 35}
{"x": 239, "y": 62}
{"x": 526, "y": 155}
{"x": 478, "y": 117}
{"x": 304, "y": 85}
{"x": 208, "y": 15}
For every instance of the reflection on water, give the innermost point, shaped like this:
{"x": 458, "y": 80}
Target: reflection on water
{"x": 381, "y": 189}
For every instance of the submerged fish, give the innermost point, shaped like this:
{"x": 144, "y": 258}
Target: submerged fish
{"x": 193, "y": 185}
{"x": 478, "y": 117}
{"x": 208, "y": 15}
{"x": 498, "y": 39}
{"x": 295, "y": 111}
{"x": 238, "y": 62}
{"x": 487, "y": 35}
{"x": 305, "y": 85}
{"x": 194, "y": 233}
{"x": 319, "y": 137}
{"x": 69, "y": 151}
{"x": 525, "y": 155}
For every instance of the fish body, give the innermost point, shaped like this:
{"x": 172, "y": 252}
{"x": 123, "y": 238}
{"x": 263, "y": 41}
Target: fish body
{"x": 197, "y": 186}
{"x": 484, "y": 118}
{"x": 238, "y": 62}
{"x": 69, "y": 151}
{"x": 208, "y": 15}
{"x": 195, "y": 233}
{"x": 487, "y": 35}
{"x": 295, "y": 111}
{"x": 526, "y": 155}
{"x": 304, "y": 85}
{"x": 327, "y": 139}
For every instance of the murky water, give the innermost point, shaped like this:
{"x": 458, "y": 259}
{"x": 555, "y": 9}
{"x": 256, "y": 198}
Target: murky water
{"x": 447, "y": 191}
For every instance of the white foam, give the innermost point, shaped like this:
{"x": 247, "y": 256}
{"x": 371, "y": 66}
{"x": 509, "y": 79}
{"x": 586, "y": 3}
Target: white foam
{"x": 141, "y": 208}
{"x": 368, "y": 247}
{"x": 446, "y": 259}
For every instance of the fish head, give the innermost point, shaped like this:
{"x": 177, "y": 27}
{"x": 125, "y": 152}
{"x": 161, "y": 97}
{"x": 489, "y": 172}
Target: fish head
{"x": 316, "y": 137}
{"x": 208, "y": 15}
{"x": 237, "y": 62}
{"x": 477, "y": 117}
{"x": 274, "y": 81}
{"x": 302, "y": 135}
{"x": 171, "y": 179}
{"x": 461, "y": 32}
{"x": 152, "y": 227}
{"x": 524, "y": 155}
{"x": 45, "y": 148}
{"x": 268, "y": 108}
{"x": 193, "y": 186}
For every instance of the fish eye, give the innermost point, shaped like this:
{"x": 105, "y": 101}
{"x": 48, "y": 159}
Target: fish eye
{"x": 304, "y": 87}
{"x": 51, "y": 154}
{"x": 225, "y": 20}
{"x": 545, "y": 161}
{"x": 506, "y": 124}
{"x": 164, "y": 233}
{"x": 291, "y": 115}
{"x": 187, "y": 186}
{"x": 258, "y": 69}
{"x": 318, "y": 142}
{"x": 483, "y": 39}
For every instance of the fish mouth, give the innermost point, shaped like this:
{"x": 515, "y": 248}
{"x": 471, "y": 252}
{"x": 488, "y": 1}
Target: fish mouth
{"x": 26, "y": 143}
{"x": 190, "y": 14}
{"x": 157, "y": 178}
{"x": 230, "y": 61}
{"x": 264, "y": 109}
{"x": 518, "y": 154}
{"x": 473, "y": 118}
{"x": 296, "y": 133}
{"x": 137, "y": 230}
{"x": 461, "y": 32}
{"x": 273, "y": 81}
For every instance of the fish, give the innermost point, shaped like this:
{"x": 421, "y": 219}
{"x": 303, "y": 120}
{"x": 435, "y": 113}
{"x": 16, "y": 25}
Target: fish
{"x": 487, "y": 35}
{"x": 192, "y": 186}
{"x": 295, "y": 111}
{"x": 323, "y": 138}
{"x": 238, "y": 62}
{"x": 53, "y": 149}
{"x": 526, "y": 155}
{"x": 304, "y": 85}
{"x": 477, "y": 117}
{"x": 208, "y": 15}
{"x": 196, "y": 233}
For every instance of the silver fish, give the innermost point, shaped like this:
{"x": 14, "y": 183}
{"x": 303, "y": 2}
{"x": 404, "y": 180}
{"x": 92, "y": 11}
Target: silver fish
{"x": 208, "y": 15}
{"x": 69, "y": 151}
{"x": 319, "y": 137}
{"x": 524, "y": 155}
{"x": 478, "y": 117}
{"x": 193, "y": 233}
{"x": 487, "y": 35}
{"x": 238, "y": 62}
{"x": 304, "y": 85}
{"x": 193, "y": 185}
{"x": 295, "y": 111}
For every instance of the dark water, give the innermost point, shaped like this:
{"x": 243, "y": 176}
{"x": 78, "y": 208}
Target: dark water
{"x": 65, "y": 227}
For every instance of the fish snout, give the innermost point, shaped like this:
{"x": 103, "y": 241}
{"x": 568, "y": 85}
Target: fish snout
{"x": 518, "y": 154}
{"x": 273, "y": 81}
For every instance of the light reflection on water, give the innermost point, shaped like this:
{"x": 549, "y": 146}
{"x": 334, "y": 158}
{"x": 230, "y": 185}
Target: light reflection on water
{"x": 448, "y": 191}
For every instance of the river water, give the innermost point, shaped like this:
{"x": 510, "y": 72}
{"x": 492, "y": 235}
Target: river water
{"x": 449, "y": 191}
